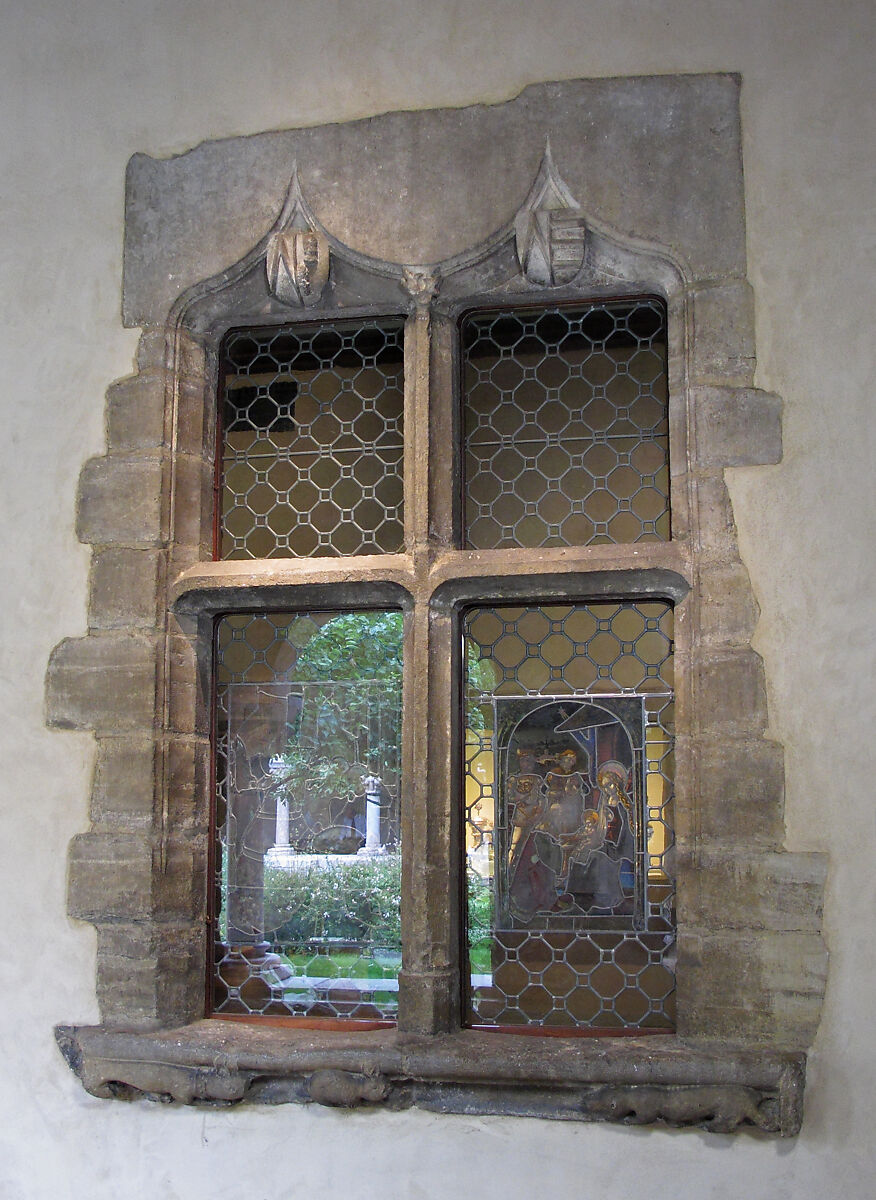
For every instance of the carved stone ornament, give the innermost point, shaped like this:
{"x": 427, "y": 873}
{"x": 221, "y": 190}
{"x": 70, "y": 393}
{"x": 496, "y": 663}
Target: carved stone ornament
{"x": 297, "y": 264}
{"x": 550, "y": 230}
{"x": 466, "y": 1072}
{"x": 421, "y": 284}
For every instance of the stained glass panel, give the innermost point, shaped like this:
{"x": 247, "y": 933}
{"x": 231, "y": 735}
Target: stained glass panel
{"x": 568, "y": 795}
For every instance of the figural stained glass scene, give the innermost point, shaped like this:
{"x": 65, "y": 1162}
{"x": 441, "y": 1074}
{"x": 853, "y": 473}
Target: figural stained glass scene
{"x": 568, "y": 794}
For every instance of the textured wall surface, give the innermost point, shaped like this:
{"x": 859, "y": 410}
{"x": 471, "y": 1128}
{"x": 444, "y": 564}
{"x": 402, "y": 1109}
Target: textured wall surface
{"x": 84, "y": 88}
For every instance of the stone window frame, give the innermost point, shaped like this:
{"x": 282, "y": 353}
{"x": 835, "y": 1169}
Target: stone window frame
{"x": 751, "y": 961}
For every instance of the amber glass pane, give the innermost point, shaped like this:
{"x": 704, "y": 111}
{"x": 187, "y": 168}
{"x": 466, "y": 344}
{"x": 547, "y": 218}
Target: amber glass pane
{"x": 312, "y": 440}
{"x": 307, "y": 859}
{"x": 565, "y": 425}
{"x": 568, "y": 808}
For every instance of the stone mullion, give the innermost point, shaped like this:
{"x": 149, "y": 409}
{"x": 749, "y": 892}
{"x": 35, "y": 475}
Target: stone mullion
{"x": 429, "y": 980}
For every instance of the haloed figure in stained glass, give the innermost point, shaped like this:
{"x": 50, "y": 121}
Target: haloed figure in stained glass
{"x": 572, "y": 838}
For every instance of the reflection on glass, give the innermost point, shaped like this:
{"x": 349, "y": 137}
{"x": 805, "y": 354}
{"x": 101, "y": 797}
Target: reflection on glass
{"x": 568, "y": 797}
{"x": 308, "y": 712}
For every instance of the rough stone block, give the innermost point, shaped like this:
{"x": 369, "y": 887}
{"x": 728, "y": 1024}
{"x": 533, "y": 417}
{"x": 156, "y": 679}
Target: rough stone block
{"x": 188, "y": 689}
{"x": 737, "y": 985}
{"x": 728, "y": 611}
{"x": 738, "y": 792}
{"x": 110, "y": 876}
{"x": 104, "y": 683}
{"x": 193, "y": 503}
{"x": 716, "y": 526}
{"x": 150, "y": 975}
{"x": 181, "y": 878}
{"x": 123, "y": 790}
{"x": 428, "y": 1002}
{"x": 723, "y": 342}
{"x": 135, "y": 412}
{"x": 188, "y": 783}
{"x": 191, "y": 356}
{"x": 779, "y": 892}
{"x": 737, "y": 427}
{"x": 730, "y": 694}
{"x": 123, "y": 588}
{"x": 196, "y": 419}
{"x": 120, "y": 501}
{"x": 151, "y": 349}
{"x": 721, "y": 993}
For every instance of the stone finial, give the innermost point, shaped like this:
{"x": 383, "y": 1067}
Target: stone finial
{"x": 549, "y": 229}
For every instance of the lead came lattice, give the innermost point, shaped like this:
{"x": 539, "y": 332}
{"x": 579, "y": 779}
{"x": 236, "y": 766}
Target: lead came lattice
{"x": 312, "y": 440}
{"x": 568, "y": 797}
{"x": 565, "y": 425}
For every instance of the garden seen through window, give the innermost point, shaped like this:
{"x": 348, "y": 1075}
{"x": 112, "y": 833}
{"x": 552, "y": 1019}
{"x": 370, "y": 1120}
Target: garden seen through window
{"x": 565, "y": 733}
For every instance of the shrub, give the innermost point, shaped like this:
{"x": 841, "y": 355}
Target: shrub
{"x": 355, "y": 900}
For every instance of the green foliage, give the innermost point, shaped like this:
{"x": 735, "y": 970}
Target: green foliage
{"x": 480, "y": 908}
{"x": 354, "y": 646}
{"x": 357, "y": 900}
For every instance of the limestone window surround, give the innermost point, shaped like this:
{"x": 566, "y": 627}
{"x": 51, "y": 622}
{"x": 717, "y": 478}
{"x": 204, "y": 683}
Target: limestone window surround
{"x": 427, "y": 213}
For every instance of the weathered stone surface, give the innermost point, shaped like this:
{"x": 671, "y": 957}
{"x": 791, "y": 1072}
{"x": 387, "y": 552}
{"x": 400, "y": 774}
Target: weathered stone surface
{"x": 781, "y": 892}
{"x": 724, "y": 1089}
{"x": 738, "y": 792}
{"x": 728, "y": 611}
{"x": 135, "y": 412}
{"x": 188, "y": 784}
{"x": 104, "y": 683}
{"x": 655, "y": 157}
{"x": 714, "y": 526}
{"x": 123, "y": 588}
{"x": 110, "y": 876}
{"x": 181, "y": 877}
{"x": 749, "y": 986}
{"x": 189, "y": 708}
{"x": 730, "y": 694}
{"x": 193, "y": 503}
{"x": 147, "y": 975}
{"x": 120, "y": 501}
{"x": 737, "y": 427}
{"x": 151, "y": 349}
{"x": 196, "y": 418}
{"x": 723, "y": 341}
{"x": 123, "y": 790}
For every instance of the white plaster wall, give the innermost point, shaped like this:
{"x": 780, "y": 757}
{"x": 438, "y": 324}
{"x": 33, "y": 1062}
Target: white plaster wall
{"x": 84, "y": 85}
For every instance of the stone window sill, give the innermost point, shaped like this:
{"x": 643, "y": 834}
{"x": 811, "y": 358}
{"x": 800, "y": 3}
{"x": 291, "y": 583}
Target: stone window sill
{"x": 636, "y": 1081}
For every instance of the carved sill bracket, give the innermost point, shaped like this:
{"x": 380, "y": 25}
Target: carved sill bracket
{"x": 647, "y": 1081}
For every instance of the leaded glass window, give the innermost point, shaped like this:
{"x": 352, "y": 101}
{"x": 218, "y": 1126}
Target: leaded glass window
{"x": 568, "y": 802}
{"x": 565, "y": 420}
{"x": 307, "y": 862}
{"x": 311, "y": 445}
